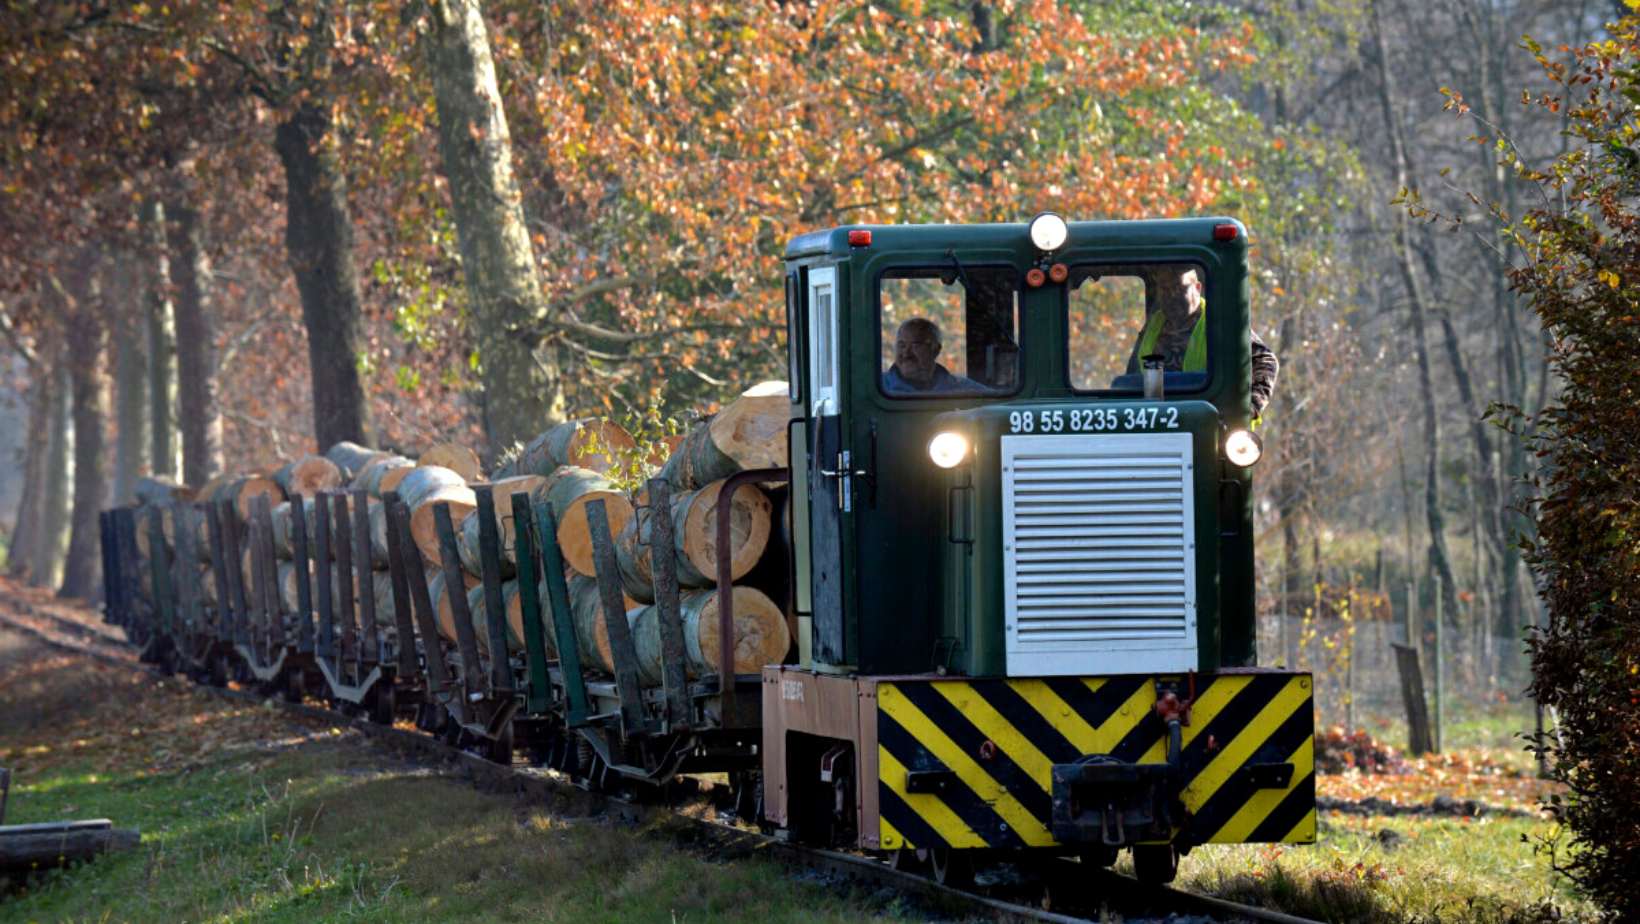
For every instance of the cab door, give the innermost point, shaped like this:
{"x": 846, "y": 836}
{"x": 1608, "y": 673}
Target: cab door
{"x": 830, "y": 468}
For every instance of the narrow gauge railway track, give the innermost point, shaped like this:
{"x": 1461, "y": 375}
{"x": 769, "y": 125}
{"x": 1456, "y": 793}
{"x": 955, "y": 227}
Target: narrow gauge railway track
{"x": 1063, "y": 884}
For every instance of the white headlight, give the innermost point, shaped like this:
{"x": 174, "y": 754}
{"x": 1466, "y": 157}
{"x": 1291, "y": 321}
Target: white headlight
{"x": 948, "y": 449}
{"x": 1243, "y": 447}
{"x": 1049, "y": 231}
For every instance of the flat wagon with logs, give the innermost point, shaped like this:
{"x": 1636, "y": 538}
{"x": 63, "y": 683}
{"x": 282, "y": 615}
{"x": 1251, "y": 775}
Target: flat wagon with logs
{"x": 984, "y": 591}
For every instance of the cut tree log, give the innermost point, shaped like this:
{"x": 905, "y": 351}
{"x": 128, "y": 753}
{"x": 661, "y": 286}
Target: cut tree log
{"x": 378, "y": 534}
{"x": 39, "y": 847}
{"x": 748, "y": 434}
{"x": 455, "y": 457}
{"x": 207, "y": 584}
{"x": 511, "y": 605}
{"x": 421, "y": 490}
{"x": 694, "y": 534}
{"x": 287, "y": 587}
{"x": 243, "y": 490}
{"x": 308, "y": 476}
{"x": 280, "y": 518}
{"x": 467, "y": 529}
{"x": 569, "y": 490}
{"x": 761, "y": 636}
{"x": 443, "y": 613}
{"x": 590, "y": 443}
{"x": 163, "y": 491}
{"x": 351, "y": 458}
{"x": 376, "y": 473}
{"x": 381, "y": 585}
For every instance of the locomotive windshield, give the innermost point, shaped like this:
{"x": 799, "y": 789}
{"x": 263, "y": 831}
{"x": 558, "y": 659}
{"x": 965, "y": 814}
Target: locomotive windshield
{"x": 1118, "y": 315}
{"x": 949, "y": 331}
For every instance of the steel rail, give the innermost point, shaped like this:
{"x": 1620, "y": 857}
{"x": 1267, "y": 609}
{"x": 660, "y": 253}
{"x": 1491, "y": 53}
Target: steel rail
{"x": 1114, "y": 891}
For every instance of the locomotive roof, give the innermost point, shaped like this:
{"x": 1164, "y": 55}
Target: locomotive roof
{"x": 834, "y": 241}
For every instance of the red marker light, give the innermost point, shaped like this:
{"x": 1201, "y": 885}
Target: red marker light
{"x": 859, "y": 238}
{"x": 1059, "y": 272}
{"x": 1034, "y": 277}
{"x": 1225, "y": 232}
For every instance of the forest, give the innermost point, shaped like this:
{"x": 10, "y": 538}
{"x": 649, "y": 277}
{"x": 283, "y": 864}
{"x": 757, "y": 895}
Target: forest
{"x": 235, "y": 233}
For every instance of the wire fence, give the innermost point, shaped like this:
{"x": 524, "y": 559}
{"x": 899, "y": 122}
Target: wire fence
{"x": 1350, "y": 647}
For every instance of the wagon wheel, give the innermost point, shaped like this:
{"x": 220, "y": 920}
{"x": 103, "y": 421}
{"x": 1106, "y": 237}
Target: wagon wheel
{"x": 219, "y": 671}
{"x": 499, "y": 750}
{"x": 383, "y": 704}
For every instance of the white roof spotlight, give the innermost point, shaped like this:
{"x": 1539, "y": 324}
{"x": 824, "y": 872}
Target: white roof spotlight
{"x": 1049, "y": 232}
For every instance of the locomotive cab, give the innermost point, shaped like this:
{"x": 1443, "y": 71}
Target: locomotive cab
{"x": 1076, "y": 524}
{"x": 1022, "y": 545}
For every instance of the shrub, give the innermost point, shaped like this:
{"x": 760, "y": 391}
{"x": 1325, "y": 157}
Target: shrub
{"x": 1581, "y": 277}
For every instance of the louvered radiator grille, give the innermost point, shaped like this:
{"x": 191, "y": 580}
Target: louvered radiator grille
{"x": 1099, "y": 550}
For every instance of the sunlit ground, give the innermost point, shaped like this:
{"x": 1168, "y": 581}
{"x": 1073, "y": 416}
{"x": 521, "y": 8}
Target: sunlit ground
{"x": 1409, "y": 867}
{"x": 247, "y": 815}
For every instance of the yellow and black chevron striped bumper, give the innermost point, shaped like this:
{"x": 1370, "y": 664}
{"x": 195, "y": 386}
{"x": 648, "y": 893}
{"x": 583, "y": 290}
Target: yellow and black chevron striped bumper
{"x": 968, "y": 763}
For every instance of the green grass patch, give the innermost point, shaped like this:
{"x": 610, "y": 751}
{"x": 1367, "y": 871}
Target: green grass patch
{"x": 247, "y": 816}
{"x": 1394, "y": 869}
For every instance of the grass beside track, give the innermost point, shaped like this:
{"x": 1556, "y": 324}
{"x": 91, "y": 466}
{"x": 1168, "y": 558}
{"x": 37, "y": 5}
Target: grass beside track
{"x": 248, "y": 815}
{"x": 1422, "y": 868}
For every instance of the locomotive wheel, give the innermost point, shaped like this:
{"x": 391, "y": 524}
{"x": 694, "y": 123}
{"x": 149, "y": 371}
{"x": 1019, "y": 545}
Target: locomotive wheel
{"x": 951, "y": 867}
{"x": 908, "y": 860}
{"x": 1155, "y": 863}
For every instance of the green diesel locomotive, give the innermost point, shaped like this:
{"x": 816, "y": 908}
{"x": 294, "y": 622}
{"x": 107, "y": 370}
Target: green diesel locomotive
{"x": 1023, "y": 549}
{"x": 1021, "y": 560}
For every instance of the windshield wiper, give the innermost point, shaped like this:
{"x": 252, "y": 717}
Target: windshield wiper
{"x": 961, "y": 272}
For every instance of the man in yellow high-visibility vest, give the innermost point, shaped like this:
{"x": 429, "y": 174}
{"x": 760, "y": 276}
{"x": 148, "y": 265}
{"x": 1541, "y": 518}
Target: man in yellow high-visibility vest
{"x": 1181, "y": 340}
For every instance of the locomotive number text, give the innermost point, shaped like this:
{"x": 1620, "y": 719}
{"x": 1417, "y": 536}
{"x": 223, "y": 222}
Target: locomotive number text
{"x": 1094, "y": 420}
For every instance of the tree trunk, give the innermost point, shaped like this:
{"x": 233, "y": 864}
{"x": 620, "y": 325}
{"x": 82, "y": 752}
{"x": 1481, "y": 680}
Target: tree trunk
{"x": 1439, "y": 560}
{"x": 52, "y": 538}
{"x": 86, "y": 338}
{"x": 196, "y": 364}
{"x": 319, "y": 245}
{"x": 36, "y": 448}
{"x": 131, "y": 439}
{"x": 162, "y": 349}
{"x": 522, "y": 389}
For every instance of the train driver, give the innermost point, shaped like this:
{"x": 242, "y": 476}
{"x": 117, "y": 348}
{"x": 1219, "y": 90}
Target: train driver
{"x": 916, "y": 346}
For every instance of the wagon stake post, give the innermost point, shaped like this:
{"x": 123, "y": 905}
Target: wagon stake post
{"x": 489, "y": 556}
{"x": 538, "y": 687}
{"x": 663, "y": 555}
{"x": 472, "y": 668}
{"x": 563, "y": 626}
{"x": 622, "y": 650}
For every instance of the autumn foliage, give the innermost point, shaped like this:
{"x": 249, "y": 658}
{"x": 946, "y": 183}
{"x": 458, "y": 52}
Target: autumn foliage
{"x": 1582, "y": 279}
